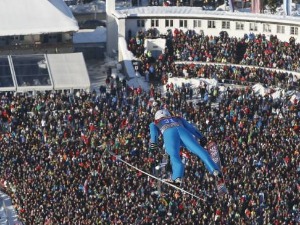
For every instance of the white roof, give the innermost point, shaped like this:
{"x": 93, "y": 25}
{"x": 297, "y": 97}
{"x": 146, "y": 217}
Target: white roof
{"x": 198, "y": 12}
{"x": 69, "y": 71}
{"x": 97, "y": 35}
{"x": 25, "y": 17}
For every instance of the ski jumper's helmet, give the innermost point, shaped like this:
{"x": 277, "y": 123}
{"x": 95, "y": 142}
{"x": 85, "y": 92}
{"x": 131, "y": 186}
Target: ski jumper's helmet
{"x": 162, "y": 113}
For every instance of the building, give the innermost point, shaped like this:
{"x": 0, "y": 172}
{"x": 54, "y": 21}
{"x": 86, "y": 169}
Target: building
{"x": 91, "y": 42}
{"x": 125, "y": 22}
{"x": 35, "y": 24}
{"x": 36, "y": 47}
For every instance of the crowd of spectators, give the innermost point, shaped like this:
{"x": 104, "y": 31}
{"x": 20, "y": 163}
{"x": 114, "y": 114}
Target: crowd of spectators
{"x": 234, "y": 74}
{"x": 253, "y": 53}
{"x": 55, "y": 166}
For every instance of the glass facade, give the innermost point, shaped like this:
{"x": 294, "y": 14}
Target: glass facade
{"x": 6, "y": 79}
{"x": 31, "y": 70}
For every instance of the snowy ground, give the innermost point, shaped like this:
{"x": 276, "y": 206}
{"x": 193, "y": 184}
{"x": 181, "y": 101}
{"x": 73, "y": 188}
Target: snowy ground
{"x": 8, "y": 215}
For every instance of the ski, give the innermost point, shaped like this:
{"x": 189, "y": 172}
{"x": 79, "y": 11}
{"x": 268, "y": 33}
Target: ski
{"x": 118, "y": 157}
{"x": 213, "y": 150}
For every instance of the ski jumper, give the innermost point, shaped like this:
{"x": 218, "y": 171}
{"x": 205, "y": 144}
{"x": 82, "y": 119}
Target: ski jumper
{"x": 178, "y": 132}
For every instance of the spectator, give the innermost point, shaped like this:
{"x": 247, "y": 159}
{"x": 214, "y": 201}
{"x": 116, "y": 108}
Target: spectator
{"x": 56, "y": 169}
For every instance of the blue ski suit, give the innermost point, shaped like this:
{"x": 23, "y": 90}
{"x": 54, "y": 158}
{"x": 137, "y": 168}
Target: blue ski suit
{"x": 178, "y": 132}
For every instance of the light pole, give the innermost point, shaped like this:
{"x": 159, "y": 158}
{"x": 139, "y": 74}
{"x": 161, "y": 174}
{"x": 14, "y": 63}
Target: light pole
{"x": 95, "y": 10}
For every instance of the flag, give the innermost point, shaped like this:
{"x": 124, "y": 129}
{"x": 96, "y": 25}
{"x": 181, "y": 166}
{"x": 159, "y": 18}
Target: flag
{"x": 185, "y": 154}
{"x": 231, "y": 5}
{"x": 287, "y": 6}
{"x": 256, "y": 6}
{"x": 86, "y": 186}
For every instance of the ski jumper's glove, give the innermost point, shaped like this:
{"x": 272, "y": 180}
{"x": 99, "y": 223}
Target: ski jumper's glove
{"x": 203, "y": 141}
{"x": 153, "y": 146}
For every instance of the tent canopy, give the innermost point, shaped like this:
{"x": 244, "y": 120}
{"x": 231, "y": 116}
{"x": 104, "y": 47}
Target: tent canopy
{"x": 28, "y": 17}
{"x": 40, "y": 72}
{"x": 69, "y": 71}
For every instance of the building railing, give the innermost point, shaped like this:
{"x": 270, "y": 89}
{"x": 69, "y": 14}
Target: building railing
{"x": 37, "y": 47}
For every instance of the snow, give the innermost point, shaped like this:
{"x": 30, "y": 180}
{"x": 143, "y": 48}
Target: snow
{"x": 159, "y": 11}
{"x": 8, "y": 214}
{"x": 125, "y": 7}
{"x": 97, "y": 35}
{"x": 193, "y": 82}
{"x": 295, "y": 95}
{"x": 92, "y": 7}
{"x": 96, "y": 6}
{"x": 280, "y": 10}
{"x": 258, "y": 88}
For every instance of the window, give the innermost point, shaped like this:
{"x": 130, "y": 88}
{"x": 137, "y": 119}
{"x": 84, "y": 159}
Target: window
{"x": 239, "y": 25}
{"x": 141, "y": 23}
{"x": 6, "y": 79}
{"x": 31, "y": 70}
{"x": 225, "y": 24}
{"x": 266, "y": 27}
{"x": 197, "y": 23}
{"x": 280, "y": 29}
{"x": 169, "y": 23}
{"x": 294, "y": 30}
{"x": 183, "y": 23}
{"x": 211, "y": 24}
{"x": 14, "y": 38}
{"x": 253, "y": 27}
{"x": 154, "y": 23}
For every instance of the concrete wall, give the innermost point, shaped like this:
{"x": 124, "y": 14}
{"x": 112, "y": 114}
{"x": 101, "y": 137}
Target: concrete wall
{"x": 112, "y": 29}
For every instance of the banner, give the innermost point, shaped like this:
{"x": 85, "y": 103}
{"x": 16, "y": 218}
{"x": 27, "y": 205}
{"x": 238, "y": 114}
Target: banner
{"x": 231, "y": 5}
{"x": 256, "y": 6}
{"x": 287, "y": 7}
